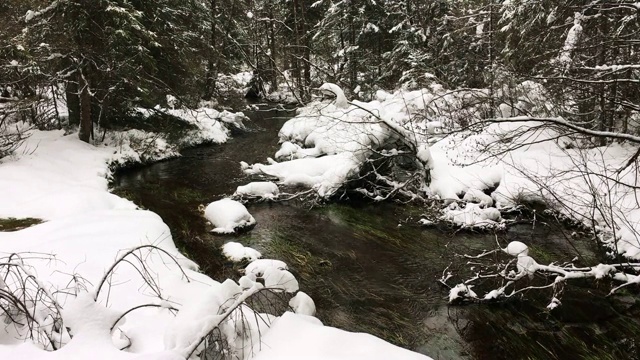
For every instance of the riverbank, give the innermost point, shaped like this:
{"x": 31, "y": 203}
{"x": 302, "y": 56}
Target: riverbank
{"x": 370, "y": 267}
{"x": 64, "y": 182}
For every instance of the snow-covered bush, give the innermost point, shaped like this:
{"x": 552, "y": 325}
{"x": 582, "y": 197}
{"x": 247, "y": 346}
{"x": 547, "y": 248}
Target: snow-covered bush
{"x": 12, "y": 135}
{"x": 28, "y": 309}
{"x": 217, "y": 324}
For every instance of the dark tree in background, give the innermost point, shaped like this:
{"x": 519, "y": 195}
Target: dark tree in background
{"x": 109, "y": 56}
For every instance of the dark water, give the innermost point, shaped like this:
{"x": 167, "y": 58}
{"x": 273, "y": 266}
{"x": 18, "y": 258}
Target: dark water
{"x": 372, "y": 269}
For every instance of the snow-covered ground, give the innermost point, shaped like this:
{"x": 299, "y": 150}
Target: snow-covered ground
{"x": 209, "y": 126}
{"x": 587, "y": 185}
{"x": 86, "y": 230}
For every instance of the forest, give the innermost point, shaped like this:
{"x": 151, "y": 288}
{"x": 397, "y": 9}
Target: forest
{"x": 222, "y": 179}
{"x": 133, "y": 53}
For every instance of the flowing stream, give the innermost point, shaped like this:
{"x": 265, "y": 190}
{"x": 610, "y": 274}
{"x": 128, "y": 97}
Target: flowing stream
{"x": 371, "y": 268}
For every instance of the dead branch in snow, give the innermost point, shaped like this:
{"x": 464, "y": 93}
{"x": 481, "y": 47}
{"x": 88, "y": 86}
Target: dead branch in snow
{"x": 28, "y": 306}
{"x": 505, "y": 277}
{"x": 243, "y": 318}
{"x": 137, "y": 254}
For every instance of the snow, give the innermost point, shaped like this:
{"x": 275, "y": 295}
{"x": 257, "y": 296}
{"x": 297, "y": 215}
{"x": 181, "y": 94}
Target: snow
{"x": 509, "y": 160}
{"x": 526, "y": 265}
{"x": 461, "y": 290}
{"x": 325, "y": 174}
{"x": 571, "y": 41}
{"x": 237, "y": 252}
{"x": 227, "y": 216}
{"x": 64, "y": 181}
{"x": 326, "y": 144}
{"x": 59, "y": 176}
{"x": 473, "y": 216}
{"x": 273, "y": 273}
{"x": 475, "y": 195}
{"x": 262, "y": 189}
{"x": 303, "y": 304}
{"x": 210, "y": 124}
{"x": 331, "y": 89}
{"x": 316, "y": 342}
{"x": 516, "y": 248}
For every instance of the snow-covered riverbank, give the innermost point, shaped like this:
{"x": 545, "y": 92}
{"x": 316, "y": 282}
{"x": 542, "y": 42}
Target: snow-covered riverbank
{"x": 476, "y": 165}
{"x": 63, "y": 181}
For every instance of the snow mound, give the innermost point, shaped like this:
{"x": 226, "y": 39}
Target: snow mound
{"x": 237, "y": 252}
{"x": 273, "y": 273}
{"x": 263, "y": 189}
{"x": 199, "y": 314}
{"x": 313, "y": 341}
{"x": 228, "y": 215}
{"x": 288, "y": 151}
{"x": 303, "y": 304}
{"x": 460, "y": 291}
{"x": 516, "y": 248}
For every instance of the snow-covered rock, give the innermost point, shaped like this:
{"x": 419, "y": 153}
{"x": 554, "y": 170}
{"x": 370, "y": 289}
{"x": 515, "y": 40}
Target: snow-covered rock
{"x": 303, "y": 304}
{"x": 288, "y": 151}
{"x": 516, "y": 248}
{"x": 228, "y": 215}
{"x": 237, "y": 252}
{"x": 325, "y": 174}
{"x": 273, "y": 273}
{"x": 263, "y": 189}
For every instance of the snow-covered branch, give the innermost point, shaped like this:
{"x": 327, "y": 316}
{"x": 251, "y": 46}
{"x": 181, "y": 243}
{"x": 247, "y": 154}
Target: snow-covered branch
{"x": 568, "y": 125}
{"x": 513, "y": 272}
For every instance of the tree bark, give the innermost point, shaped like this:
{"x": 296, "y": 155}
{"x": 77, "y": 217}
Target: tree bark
{"x": 85, "y": 110}
{"x": 73, "y": 102}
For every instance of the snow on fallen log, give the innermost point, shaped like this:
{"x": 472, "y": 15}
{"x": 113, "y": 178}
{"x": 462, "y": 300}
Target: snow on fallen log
{"x": 326, "y": 145}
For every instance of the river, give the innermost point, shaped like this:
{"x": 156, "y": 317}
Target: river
{"x": 371, "y": 268}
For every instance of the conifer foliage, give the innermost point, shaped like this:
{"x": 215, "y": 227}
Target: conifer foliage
{"x": 108, "y": 56}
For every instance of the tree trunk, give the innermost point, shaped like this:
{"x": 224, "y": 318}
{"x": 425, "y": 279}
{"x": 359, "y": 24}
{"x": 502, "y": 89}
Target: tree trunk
{"x": 73, "y": 102}
{"x": 212, "y": 69}
{"x": 85, "y": 110}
